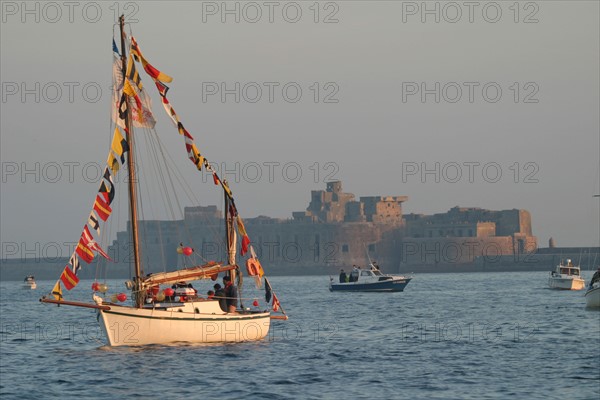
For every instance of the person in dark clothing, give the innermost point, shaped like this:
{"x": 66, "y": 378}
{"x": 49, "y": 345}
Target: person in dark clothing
{"x": 595, "y": 278}
{"x": 342, "y": 276}
{"x": 220, "y": 295}
{"x": 231, "y": 294}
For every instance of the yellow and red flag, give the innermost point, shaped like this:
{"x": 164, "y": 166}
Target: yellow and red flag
{"x": 276, "y": 304}
{"x": 84, "y": 252}
{"x": 102, "y": 208}
{"x": 68, "y": 278}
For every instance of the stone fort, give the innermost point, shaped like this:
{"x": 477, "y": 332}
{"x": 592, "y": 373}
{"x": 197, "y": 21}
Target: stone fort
{"x": 338, "y": 230}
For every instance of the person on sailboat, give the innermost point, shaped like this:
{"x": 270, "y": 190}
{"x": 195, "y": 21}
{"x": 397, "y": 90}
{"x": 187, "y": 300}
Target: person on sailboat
{"x": 210, "y": 294}
{"x": 595, "y": 277}
{"x": 220, "y": 295}
{"x": 231, "y": 294}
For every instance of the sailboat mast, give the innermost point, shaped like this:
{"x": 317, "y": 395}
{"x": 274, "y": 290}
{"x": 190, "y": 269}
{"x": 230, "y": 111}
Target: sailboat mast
{"x": 226, "y": 216}
{"x": 229, "y": 236}
{"x": 131, "y": 175}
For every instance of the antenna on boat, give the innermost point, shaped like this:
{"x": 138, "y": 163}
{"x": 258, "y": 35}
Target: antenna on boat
{"x": 368, "y": 256}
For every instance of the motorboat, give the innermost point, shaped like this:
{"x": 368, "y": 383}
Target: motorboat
{"x": 370, "y": 280}
{"x": 566, "y": 277}
{"x": 29, "y": 282}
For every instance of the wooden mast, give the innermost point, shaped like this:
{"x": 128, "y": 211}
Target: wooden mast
{"x": 131, "y": 175}
{"x": 229, "y": 236}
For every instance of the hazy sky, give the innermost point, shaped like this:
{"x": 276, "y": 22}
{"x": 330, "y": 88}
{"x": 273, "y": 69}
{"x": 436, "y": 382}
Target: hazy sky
{"x": 498, "y": 102}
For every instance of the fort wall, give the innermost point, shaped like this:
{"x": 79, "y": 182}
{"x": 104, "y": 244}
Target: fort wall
{"x": 337, "y": 231}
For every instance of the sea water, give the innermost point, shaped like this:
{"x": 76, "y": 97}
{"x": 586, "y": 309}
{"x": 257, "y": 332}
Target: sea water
{"x": 447, "y": 336}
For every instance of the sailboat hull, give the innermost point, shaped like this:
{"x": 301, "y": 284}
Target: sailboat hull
{"x": 128, "y": 326}
{"x": 592, "y": 297}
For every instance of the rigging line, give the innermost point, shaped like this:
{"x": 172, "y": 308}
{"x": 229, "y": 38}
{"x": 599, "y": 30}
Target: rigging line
{"x": 151, "y": 139}
{"x": 173, "y": 172}
{"x": 152, "y": 134}
{"x": 139, "y": 271}
{"x": 158, "y": 149}
{"x": 159, "y": 170}
{"x": 175, "y": 195}
{"x": 179, "y": 176}
{"x": 159, "y": 224}
{"x": 176, "y": 172}
{"x": 104, "y": 226}
{"x": 148, "y": 179}
{"x": 102, "y": 238}
{"x": 187, "y": 188}
{"x": 170, "y": 177}
{"x": 118, "y": 222}
{"x": 168, "y": 201}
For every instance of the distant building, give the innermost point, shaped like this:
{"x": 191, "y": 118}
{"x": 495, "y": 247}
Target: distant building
{"x": 333, "y": 205}
{"x": 337, "y": 230}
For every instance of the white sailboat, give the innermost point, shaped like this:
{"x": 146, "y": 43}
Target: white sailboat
{"x": 155, "y": 315}
{"x": 592, "y": 293}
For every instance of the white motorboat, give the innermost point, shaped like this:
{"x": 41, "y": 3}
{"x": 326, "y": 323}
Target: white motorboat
{"x": 29, "y": 282}
{"x": 566, "y": 277}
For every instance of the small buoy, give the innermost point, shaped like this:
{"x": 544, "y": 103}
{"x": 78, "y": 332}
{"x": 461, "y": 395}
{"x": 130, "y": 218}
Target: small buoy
{"x": 168, "y": 292}
{"x": 102, "y": 288}
{"x": 160, "y": 296}
{"x": 113, "y": 298}
{"x": 255, "y": 304}
{"x": 188, "y": 251}
{"x": 95, "y": 286}
{"x": 121, "y": 297}
{"x": 179, "y": 250}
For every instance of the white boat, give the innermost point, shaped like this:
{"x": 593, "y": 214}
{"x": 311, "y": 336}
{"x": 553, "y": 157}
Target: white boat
{"x": 592, "y": 294}
{"x": 162, "y": 315}
{"x": 29, "y": 282}
{"x": 566, "y": 277}
{"x": 369, "y": 280}
{"x": 192, "y": 322}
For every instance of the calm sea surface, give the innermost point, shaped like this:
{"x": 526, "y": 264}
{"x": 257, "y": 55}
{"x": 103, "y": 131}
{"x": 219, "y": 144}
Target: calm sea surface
{"x": 447, "y": 336}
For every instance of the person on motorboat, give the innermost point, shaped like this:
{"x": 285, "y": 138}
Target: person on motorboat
{"x": 354, "y": 274}
{"x": 342, "y": 276}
